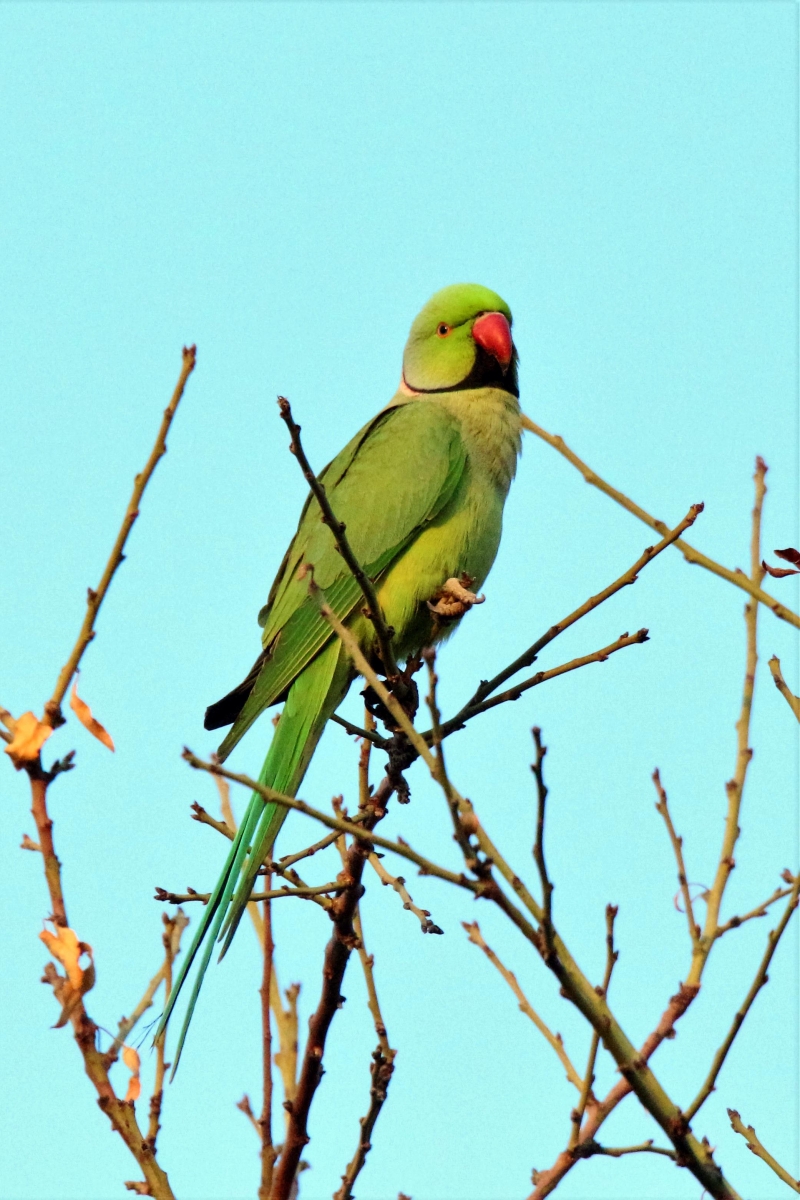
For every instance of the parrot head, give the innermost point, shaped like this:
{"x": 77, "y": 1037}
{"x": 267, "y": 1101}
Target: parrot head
{"x": 461, "y": 339}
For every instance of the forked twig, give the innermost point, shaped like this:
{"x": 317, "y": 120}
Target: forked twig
{"x": 773, "y": 938}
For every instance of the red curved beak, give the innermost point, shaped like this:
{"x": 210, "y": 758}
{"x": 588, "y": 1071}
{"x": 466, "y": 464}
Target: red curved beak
{"x": 493, "y": 332}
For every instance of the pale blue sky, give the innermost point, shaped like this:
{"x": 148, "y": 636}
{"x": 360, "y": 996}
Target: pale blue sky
{"x": 286, "y": 184}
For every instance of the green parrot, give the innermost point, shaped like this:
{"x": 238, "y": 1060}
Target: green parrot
{"x": 421, "y": 490}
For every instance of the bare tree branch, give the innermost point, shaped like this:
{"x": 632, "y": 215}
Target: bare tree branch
{"x": 754, "y": 1144}
{"x": 738, "y": 578}
{"x": 761, "y": 978}
{"x": 96, "y": 596}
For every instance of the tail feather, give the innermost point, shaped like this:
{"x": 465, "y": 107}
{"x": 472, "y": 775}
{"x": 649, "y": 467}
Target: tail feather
{"x": 313, "y": 697}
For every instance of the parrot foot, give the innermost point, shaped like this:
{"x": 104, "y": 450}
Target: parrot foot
{"x": 454, "y": 599}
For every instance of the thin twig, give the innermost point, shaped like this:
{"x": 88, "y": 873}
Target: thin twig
{"x": 246, "y": 1107}
{"x": 759, "y": 911}
{"x": 95, "y": 597}
{"x": 662, "y": 806}
{"x": 735, "y": 786}
{"x": 538, "y": 847}
{"x": 588, "y": 1080}
{"x": 760, "y": 979}
{"x": 547, "y": 1181}
{"x": 322, "y": 844}
{"x": 204, "y": 818}
{"x": 287, "y": 1024}
{"x": 273, "y": 894}
{"x": 381, "y": 1069}
{"x": 364, "y": 797}
{"x": 629, "y": 577}
{"x": 754, "y": 1143}
{"x": 171, "y": 939}
{"x": 383, "y": 633}
{"x": 738, "y": 578}
{"x": 460, "y": 815}
{"x": 369, "y": 735}
{"x": 643, "y": 1148}
{"x": 553, "y": 1039}
{"x": 426, "y": 866}
{"x": 793, "y": 701}
{"x": 176, "y": 926}
{"x": 519, "y": 689}
{"x": 399, "y": 884}
{"x": 343, "y": 940}
{"x": 268, "y": 1151}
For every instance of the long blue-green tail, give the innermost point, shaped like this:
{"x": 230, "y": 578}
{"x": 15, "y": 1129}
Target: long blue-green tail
{"x": 312, "y": 698}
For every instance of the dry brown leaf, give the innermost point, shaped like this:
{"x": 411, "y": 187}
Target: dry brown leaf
{"x": 84, "y": 715}
{"x": 68, "y": 950}
{"x": 789, "y": 555}
{"x": 131, "y": 1059}
{"x": 778, "y": 572}
{"x": 30, "y": 734}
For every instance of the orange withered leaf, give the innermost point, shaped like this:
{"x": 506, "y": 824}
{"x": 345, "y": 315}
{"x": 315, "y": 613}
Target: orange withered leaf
{"x": 29, "y": 735}
{"x": 131, "y": 1059}
{"x": 84, "y": 715}
{"x": 67, "y": 949}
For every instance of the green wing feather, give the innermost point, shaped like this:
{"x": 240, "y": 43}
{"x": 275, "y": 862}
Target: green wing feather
{"x": 391, "y": 480}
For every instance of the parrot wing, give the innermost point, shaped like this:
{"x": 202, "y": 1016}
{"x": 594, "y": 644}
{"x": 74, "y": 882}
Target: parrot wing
{"x": 385, "y": 486}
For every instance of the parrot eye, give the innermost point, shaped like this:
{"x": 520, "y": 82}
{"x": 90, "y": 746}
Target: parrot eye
{"x": 443, "y": 330}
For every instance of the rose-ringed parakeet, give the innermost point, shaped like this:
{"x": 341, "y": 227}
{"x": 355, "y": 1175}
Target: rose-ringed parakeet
{"x": 421, "y": 490}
